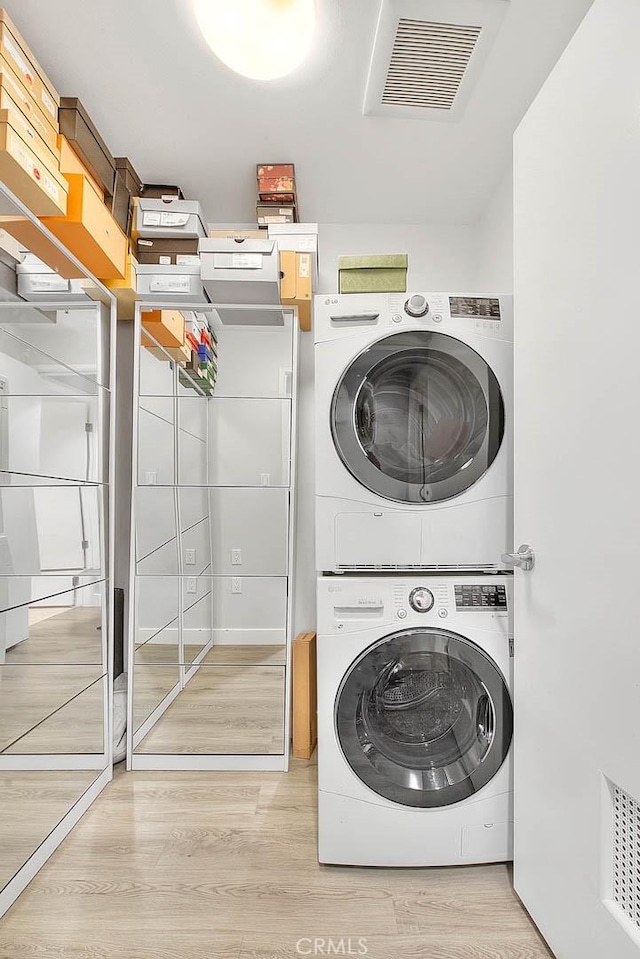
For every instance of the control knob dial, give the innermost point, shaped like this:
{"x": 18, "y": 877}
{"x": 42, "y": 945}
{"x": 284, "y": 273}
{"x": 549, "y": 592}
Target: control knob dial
{"x": 416, "y": 305}
{"x": 421, "y": 599}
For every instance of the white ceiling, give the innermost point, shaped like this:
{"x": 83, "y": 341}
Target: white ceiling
{"x": 159, "y": 96}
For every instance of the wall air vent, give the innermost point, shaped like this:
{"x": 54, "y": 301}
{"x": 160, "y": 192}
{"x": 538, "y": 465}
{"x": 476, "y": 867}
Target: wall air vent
{"x": 427, "y": 55}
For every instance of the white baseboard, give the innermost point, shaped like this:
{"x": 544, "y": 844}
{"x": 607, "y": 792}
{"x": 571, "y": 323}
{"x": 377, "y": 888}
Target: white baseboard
{"x": 174, "y": 761}
{"x": 221, "y": 637}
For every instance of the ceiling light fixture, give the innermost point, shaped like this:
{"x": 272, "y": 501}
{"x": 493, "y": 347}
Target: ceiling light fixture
{"x": 261, "y": 39}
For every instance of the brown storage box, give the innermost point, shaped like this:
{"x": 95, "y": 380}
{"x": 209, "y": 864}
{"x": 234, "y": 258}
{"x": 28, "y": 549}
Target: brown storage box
{"x": 165, "y": 326}
{"x": 305, "y": 696}
{"x": 42, "y": 190}
{"x": 267, "y": 213}
{"x": 24, "y": 64}
{"x": 25, "y": 102}
{"x": 32, "y": 238}
{"x": 78, "y": 128}
{"x": 127, "y": 184}
{"x": 155, "y": 191}
{"x": 90, "y": 232}
{"x": 167, "y": 250}
{"x": 70, "y": 162}
{"x": 295, "y": 284}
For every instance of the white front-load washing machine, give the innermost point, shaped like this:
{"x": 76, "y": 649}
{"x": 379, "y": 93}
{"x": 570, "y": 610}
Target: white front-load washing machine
{"x": 413, "y": 431}
{"x": 415, "y": 720}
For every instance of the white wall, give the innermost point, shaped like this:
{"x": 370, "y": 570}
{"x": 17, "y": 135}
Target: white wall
{"x": 493, "y": 241}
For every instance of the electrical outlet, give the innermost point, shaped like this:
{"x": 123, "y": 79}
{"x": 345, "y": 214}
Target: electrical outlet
{"x": 265, "y": 479}
{"x": 236, "y": 584}
{"x": 236, "y": 557}
{"x": 192, "y": 584}
{"x": 150, "y": 478}
{"x": 190, "y": 557}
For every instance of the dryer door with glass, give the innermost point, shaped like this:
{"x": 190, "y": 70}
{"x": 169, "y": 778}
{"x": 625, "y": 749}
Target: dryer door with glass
{"x": 424, "y": 717}
{"x": 418, "y": 417}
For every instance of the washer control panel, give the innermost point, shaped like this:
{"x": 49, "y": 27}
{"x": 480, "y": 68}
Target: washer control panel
{"x": 480, "y": 596}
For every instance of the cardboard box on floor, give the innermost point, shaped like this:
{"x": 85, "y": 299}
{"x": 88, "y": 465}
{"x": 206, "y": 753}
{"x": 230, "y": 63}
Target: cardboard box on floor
{"x": 295, "y": 284}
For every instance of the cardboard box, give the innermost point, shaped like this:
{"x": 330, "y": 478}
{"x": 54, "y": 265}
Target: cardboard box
{"x": 299, "y": 237}
{"x": 24, "y": 64}
{"x": 181, "y": 354}
{"x": 41, "y": 189}
{"x": 267, "y": 213}
{"x": 70, "y": 162}
{"x": 165, "y": 326}
{"x": 167, "y": 217}
{"x": 125, "y": 290}
{"x": 155, "y": 191}
{"x": 238, "y": 235}
{"x": 130, "y": 178}
{"x": 90, "y": 232}
{"x": 24, "y": 100}
{"x": 11, "y": 113}
{"x": 240, "y": 272}
{"x": 276, "y": 179}
{"x": 45, "y": 286}
{"x": 373, "y": 273}
{"x": 167, "y": 251}
{"x": 295, "y": 285}
{"x": 80, "y": 131}
{"x": 32, "y": 237}
{"x": 173, "y": 284}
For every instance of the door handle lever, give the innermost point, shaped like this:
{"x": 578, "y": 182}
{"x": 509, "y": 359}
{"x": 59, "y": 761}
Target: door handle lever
{"x": 524, "y": 559}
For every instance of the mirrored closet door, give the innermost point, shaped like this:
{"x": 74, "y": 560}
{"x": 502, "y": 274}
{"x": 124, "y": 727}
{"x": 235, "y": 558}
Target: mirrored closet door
{"x": 211, "y": 596}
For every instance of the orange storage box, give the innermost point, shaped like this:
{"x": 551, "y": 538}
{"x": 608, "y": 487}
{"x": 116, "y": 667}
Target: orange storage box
{"x": 13, "y": 115}
{"x": 125, "y": 290}
{"x": 167, "y": 328}
{"x": 41, "y": 189}
{"x": 90, "y": 232}
{"x": 24, "y": 64}
{"x": 32, "y": 238}
{"x": 25, "y": 102}
{"x": 70, "y": 162}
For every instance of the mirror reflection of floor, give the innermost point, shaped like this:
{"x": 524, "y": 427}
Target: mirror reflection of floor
{"x": 234, "y": 704}
{"x": 51, "y": 686}
{"x": 48, "y": 796}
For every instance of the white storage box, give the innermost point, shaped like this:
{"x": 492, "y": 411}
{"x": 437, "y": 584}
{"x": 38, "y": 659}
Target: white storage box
{"x": 45, "y": 286}
{"x": 172, "y": 284}
{"x": 168, "y": 217}
{"x": 240, "y": 271}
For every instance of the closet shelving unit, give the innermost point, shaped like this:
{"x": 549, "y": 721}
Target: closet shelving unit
{"x": 276, "y": 391}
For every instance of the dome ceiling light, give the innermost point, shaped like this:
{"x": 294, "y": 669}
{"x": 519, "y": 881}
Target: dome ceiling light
{"x": 260, "y": 39}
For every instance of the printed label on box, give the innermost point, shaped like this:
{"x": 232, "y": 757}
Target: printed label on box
{"x": 49, "y": 104}
{"x": 50, "y": 284}
{"x": 305, "y": 265}
{"x": 170, "y": 284}
{"x": 187, "y": 259}
{"x": 246, "y": 261}
{"x": 15, "y": 55}
{"x": 25, "y": 160}
{"x": 149, "y": 218}
{"x": 174, "y": 219}
{"x": 164, "y": 260}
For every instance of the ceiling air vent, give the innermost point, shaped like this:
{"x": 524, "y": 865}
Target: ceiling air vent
{"x": 427, "y": 55}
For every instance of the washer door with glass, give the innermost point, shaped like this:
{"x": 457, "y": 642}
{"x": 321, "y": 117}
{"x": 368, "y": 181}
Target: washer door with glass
{"x": 424, "y": 718}
{"x": 418, "y": 417}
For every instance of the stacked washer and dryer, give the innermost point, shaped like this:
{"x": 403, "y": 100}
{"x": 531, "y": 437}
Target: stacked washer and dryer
{"x": 413, "y": 516}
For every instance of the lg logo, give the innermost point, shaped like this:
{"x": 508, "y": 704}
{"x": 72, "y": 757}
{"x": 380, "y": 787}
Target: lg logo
{"x": 332, "y": 947}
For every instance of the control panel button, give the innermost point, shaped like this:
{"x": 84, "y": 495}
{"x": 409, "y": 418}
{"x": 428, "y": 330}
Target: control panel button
{"x": 417, "y": 305}
{"x": 421, "y": 599}
{"x": 442, "y": 613}
{"x": 401, "y": 614}
{"x": 437, "y": 317}
{"x": 396, "y": 318}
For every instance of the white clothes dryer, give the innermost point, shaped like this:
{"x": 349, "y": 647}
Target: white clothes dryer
{"x": 413, "y": 431}
{"x": 415, "y": 720}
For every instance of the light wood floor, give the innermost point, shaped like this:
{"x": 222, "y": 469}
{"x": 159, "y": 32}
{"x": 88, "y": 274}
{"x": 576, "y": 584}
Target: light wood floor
{"x": 223, "y": 866}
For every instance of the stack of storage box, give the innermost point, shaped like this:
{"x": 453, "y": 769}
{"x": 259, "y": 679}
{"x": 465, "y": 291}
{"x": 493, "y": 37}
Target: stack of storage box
{"x": 29, "y": 153}
{"x": 277, "y": 195}
{"x": 188, "y": 340}
{"x": 166, "y": 229}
